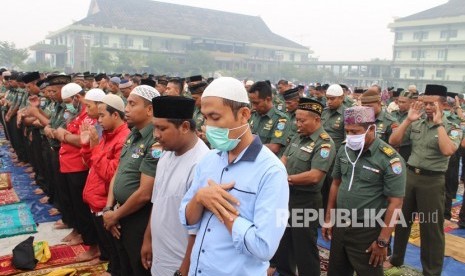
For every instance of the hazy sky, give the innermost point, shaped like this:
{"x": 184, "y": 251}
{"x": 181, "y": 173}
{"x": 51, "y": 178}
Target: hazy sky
{"x": 334, "y": 29}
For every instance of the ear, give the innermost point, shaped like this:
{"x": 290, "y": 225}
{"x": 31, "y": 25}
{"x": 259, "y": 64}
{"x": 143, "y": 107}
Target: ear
{"x": 244, "y": 114}
{"x": 185, "y": 127}
{"x": 149, "y": 110}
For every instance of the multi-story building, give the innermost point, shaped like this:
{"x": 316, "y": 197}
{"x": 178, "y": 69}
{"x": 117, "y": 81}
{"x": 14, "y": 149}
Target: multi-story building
{"x": 429, "y": 47}
{"x": 235, "y": 41}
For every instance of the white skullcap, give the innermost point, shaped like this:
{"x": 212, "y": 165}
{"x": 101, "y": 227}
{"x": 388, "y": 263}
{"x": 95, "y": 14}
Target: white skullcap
{"x": 146, "y": 92}
{"x": 70, "y": 90}
{"x": 249, "y": 82}
{"x": 227, "y": 88}
{"x": 95, "y": 95}
{"x": 334, "y": 90}
{"x": 114, "y": 101}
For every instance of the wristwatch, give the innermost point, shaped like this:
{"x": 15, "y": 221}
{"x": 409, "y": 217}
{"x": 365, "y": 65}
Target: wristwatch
{"x": 177, "y": 273}
{"x": 438, "y": 125}
{"x": 382, "y": 243}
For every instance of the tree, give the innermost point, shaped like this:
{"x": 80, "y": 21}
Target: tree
{"x": 10, "y": 56}
{"x": 162, "y": 64}
{"x": 101, "y": 61}
{"x": 199, "y": 62}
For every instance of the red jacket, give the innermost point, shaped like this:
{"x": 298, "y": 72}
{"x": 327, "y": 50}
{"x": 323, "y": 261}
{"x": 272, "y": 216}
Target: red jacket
{"x": 70, "y": 156}
{"x": 102, "y": 160}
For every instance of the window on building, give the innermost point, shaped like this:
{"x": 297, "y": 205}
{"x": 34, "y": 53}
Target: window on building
{"x": 130, "y": 42}
{"x": 399, "y": 36}
{"x": 397, "y": 54}
{"x": 448, "y": 34}
{"x": 441, "y": 54}
{"x": 122, "y": 42}
{"x": 440, "y": 73}
{"x": 420, "y": 35}
{"x": 418, "y": 54}
{"x": 417, "y": 73}
{"x": 105, "y": 40}
{"x": 147, "y": 43}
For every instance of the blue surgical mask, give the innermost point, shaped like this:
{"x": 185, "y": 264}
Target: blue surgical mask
{"x": 70, "y": 107}
{"x": 219, "y": 137}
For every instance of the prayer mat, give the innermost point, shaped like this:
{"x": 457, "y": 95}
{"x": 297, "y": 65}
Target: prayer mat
{"x": 454, "y": 247}
{"x": 61, "y": 255}
{"x": 5, "y": 181}
{"x": 8, "y": 197}
{"x": 402, "y": 271}
{"x": 16, "y": 219}
{"x": 82, "y": 269}
{"x": 324, "y": 258}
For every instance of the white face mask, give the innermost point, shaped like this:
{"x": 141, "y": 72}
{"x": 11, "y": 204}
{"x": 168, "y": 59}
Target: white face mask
{"x": 355, "y": 142}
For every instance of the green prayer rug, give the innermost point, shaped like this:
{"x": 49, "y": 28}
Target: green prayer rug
{"x": 16, "y": 219}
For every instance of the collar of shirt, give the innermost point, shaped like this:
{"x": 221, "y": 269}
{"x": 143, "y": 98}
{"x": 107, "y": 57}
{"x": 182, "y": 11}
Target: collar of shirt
{"x": 314, "y": 136}
{"x": 380, "y": 116}
{"x": 270, "y": 113}
{"x": 143, "y": 133}
{"x": 248, "y": 154}
{"x": 116, "y": 131}
{"x": 339, "y": 110}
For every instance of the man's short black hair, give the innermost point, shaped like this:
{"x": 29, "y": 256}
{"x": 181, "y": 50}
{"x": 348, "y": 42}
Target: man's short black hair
{"x": 178, "y": 82}
{"x": 284, "y": 82}
{"x": 235, "y": 106}
{"x": 112, "y": 110}
{"x": 263, "y": 89}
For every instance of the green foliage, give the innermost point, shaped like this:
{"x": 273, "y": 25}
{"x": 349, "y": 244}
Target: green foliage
{"x": 102, "y": 61}
{"x": 199, "y": 62}
{"x": 10, "y": 56}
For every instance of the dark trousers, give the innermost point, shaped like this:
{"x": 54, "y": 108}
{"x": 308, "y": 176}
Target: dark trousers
{"x": 298, "y": 247}
{"x": 39, "y": 163}
{"x": 405, "y": 152}
{"x": 83, "y": 222}
{"x": 423, "y": 194}
{"x": 2, "y": 120}
{"x": 49, "y": 173}
{"x": 107, "y": 246}
{"x": 348, "y": 251}
{"x": 130, "y": 243}
{"x": 17, "y": 141}
{"x": 62, "y": 200}
{"x": 452, "y": 183}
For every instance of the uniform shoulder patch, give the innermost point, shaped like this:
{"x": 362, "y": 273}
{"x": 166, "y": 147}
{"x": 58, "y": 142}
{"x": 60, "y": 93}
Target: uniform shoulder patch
{"x": 326, "y": 145}
{"x": 324, "y": 136}
{"x": 387, "y": 150}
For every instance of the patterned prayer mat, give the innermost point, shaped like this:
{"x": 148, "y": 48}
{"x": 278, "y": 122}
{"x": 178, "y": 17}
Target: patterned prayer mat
{"x": 61, "y": 255}
{"x": 8, "y": 197}
{"x": 82, "y": 269}
{"x": 16, "y": 219}
{"x": 5, "y": 181}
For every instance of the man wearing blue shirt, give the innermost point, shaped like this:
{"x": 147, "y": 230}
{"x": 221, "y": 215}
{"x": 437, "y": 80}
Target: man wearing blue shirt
{"x": 239, "y": 192}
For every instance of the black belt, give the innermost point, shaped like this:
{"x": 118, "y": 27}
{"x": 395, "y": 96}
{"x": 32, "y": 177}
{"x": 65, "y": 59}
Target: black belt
{"x": 423, "y": 172}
